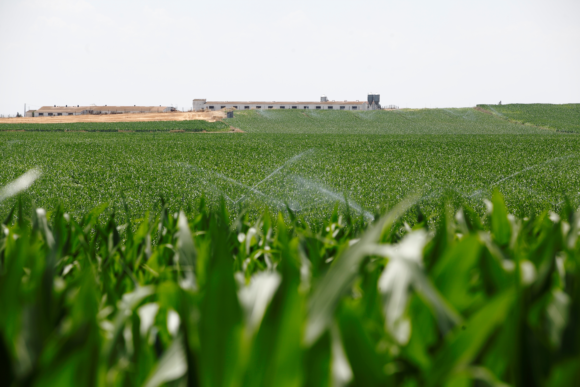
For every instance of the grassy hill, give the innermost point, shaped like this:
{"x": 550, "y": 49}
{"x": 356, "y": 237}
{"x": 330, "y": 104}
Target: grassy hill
{"x": 563, "y": 118}
{"x": 422, "y": 121}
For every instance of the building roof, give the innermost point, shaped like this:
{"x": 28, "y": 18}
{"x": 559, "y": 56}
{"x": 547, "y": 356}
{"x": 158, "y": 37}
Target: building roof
{"x": 77, "y": 109}
{"x": 285, "y": 103}
{"x": 60, "y": 109}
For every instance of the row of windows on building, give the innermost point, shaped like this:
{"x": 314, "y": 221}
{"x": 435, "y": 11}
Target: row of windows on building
{"x": 284, "y": 107}
{"x": 58, "y": 114}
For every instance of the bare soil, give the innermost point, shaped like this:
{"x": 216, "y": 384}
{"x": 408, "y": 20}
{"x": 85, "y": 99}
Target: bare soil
{"x": 479, "y": 109}
{"x": 141, "y": 117}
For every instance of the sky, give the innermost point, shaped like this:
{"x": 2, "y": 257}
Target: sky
{"x": 414, "y": 54}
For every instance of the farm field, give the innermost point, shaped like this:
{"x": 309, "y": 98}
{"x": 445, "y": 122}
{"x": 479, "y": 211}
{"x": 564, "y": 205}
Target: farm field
{"x": 406, "y": 121}
{"x": 201, "y": 301}
{"x": 108, "y": 118}
{"x": 309, "y": 172}
{"x": 143, "y": 126}
{"x": 563, "y": 118}
{"x": 102, "y": 283}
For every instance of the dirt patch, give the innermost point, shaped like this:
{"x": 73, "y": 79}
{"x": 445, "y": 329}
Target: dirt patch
{"x": 177, "y": 131}
{"x": 232, "y": 130}
{"x": 480, "y": 109}
{"x": 141, "y": 117}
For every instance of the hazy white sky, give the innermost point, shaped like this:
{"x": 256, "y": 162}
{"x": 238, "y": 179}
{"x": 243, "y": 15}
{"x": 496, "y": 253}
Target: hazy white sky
{"x": 414, "y": 53}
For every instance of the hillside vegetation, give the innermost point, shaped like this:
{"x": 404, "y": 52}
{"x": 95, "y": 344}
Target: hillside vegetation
{"x": 563, "y": 118}
{"x": 407, "y": 121}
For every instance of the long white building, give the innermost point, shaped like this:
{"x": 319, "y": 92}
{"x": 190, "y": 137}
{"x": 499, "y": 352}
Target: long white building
{"x": 50, "y": 111}
{"x": 371, "y": 104}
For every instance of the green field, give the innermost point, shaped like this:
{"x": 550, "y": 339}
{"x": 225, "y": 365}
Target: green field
{"x": 309, "y": 163}
{"x": 198, "y": 301}
{"x": 407, "y": 121}
{"x": 563, "y": 118}
{"x": 146, "y": 126}
{"x": 232, "y": 259}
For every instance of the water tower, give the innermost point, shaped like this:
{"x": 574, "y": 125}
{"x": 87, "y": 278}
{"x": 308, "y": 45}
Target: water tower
{"x": 324, "y": 99}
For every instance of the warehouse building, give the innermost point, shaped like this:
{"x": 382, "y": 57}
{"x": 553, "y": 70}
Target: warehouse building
{"x": 48, "y": 111}
{"x": 372, "y": 103}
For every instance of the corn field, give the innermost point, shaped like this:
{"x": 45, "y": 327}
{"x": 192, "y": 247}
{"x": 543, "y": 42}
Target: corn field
{"x": 411, "y": 248}
{"x": 200, "y": 301}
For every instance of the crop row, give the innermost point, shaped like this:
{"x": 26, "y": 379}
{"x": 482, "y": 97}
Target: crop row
{"x": 309, "y": 173}
{"x": 146, "y": 126}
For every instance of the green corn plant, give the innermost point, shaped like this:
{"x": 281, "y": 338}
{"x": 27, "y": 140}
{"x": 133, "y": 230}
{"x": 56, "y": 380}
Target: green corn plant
{"x": 462, "y": 300}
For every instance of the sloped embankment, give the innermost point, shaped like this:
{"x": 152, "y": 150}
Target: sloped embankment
{"x": 405, "y": 121}
{"x": 561, "y": 118}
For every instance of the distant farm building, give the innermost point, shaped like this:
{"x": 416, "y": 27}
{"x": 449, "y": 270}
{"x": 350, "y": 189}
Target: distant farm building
{"x": 47, "y": 111}
{"x": 372, "y": 103}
